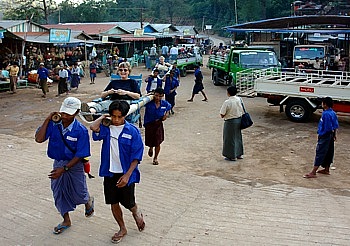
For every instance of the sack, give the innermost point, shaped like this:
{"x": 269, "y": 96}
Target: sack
{"x": 246, "y": 121}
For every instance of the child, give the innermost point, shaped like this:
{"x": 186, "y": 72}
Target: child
{"x": 155, "y": 113}
{"x": 122, "y": 151}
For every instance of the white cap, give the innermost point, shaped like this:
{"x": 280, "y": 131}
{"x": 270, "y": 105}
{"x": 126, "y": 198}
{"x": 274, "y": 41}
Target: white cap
{"x": 70, "y": 105}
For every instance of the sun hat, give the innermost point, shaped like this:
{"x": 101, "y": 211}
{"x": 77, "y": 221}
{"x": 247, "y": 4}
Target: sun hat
{"x": 70, "y": 105}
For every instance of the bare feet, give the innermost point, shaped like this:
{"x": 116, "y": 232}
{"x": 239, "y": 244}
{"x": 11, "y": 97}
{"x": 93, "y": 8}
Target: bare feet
{"x": 118, "y": 236}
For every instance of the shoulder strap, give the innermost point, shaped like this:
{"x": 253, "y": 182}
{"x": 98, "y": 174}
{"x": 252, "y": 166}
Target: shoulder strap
{"x": 64, "y": 140}
{"x": 242, "y": 105}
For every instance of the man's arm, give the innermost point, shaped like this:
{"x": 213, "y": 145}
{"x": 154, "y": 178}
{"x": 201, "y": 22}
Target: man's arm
{"x": 125, "y": 178}
{"x": 40, "y": 135}
{"x": 95, "y": 126}
{"x": 56, "y": 173}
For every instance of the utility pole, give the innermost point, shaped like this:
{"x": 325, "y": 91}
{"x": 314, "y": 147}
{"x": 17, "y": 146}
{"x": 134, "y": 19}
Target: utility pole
{"x": 203, "y": 24}
{"x": 236, "y": 14}
{"x": 141, "y": 13}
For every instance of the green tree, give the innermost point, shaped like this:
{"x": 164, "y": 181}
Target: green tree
{"x": 36, "y": 10}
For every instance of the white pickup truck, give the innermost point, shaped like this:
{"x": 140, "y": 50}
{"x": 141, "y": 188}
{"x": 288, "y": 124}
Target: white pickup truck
{"x": 189, "y": 61}
{"x": 300, "y": 92}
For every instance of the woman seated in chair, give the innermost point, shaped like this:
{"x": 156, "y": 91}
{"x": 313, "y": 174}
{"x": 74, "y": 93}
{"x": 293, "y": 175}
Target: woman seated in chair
{"x": 119, "y": 89}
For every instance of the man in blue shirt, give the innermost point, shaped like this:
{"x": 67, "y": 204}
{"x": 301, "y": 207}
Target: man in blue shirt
{"x": 327, "y": 129}
{"x": 43, "y": 74}
{"x": 68, "y": 145}
{"x": 122, "y": 151}
{"x": 155, "y": 113}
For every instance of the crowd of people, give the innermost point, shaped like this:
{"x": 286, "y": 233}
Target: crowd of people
{"x": 122, "y": 144}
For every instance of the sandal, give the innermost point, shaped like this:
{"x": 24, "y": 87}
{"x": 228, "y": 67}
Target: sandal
{"x": 117, "y": 237}
{"x": 89, "y": 212}
{"x": 139, "y": 222}
{"x": 155, "y": 163}
{"x": 309, "y": 176}
{"x": 150, "y": 152}
{"x": 59, "y": 229}
{"x": 323, "y": 171}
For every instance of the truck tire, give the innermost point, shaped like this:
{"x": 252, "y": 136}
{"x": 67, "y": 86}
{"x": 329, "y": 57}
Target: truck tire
{"x": 298, "y": 110}
{"x": 215, "y": 77}
{"x": 183, "y": 72}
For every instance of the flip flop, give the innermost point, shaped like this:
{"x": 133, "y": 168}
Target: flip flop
{"x": 89, "y": 212}
{"x": 59, "y": 229}
{"x": 155, "y": 163}
{"x": 150, "y": 152}
{"x": 140, "y": 223}
{"x": 309, "y": 176}
{"x": 323, "y": 172}
{"x": 117, "y": 237}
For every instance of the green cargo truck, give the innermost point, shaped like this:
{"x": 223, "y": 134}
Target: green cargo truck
{"x": 225, "y": 67}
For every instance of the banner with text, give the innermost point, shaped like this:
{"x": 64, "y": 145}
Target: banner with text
{"x": 59, "y": 35}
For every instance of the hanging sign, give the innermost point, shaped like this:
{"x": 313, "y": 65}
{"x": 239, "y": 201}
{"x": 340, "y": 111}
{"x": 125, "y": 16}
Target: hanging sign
{"x": 59, "y": 35}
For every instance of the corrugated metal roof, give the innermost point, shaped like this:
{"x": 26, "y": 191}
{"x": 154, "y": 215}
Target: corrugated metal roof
{"x": 6, "y": 24}
{"x": 89, "y": 28}
{"x": 294, "y": 21}
{"x": 161, "y": 27}
{"x": 43, "y": 37}
{"x": 192, "y": 29}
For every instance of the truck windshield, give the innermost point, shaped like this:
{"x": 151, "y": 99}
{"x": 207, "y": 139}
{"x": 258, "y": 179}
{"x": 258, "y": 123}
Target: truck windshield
{"x": 258, "y": 59}
{"x": 308, "y": 52}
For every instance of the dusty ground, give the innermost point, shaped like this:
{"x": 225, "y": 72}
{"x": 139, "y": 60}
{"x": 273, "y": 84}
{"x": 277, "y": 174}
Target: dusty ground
{"x": 277, "y": 151}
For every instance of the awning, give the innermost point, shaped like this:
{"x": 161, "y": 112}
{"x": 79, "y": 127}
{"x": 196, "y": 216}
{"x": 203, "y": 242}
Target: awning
{"x": 131, "y": 37}
{"x": 138, "y": 38}
{"x": 43, "y": 38}
{"x": 324, "y": 31}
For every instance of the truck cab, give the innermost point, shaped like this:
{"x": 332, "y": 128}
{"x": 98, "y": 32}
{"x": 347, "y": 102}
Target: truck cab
{"x": 315, "y": 56}
{"x": 225, "y": 67}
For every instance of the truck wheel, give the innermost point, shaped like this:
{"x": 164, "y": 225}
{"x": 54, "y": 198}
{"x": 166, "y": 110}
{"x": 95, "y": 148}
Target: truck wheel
{"x": 298, "y": 110}
{"x": 216, "y": 77}
{"x": 183, "y": 72}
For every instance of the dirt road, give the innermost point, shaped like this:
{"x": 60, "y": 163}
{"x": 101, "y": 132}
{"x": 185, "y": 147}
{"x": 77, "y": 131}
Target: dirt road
{"x": 277, "y": 151}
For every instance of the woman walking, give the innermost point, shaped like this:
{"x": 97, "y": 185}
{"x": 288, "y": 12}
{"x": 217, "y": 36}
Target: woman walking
{"x": 232, "y": 111}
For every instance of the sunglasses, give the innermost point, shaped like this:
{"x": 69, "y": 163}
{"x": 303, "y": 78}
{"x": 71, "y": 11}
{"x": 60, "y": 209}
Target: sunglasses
{"x": 123, "y": 70}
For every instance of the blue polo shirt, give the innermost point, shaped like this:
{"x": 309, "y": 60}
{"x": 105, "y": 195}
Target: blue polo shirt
{"x": 130, "y": 148}
{"x": 76, "y": 136}
{"x": 152, "y": 113}
{"x": 169, "y": 85}
{"x": 176, "y": 73}
{"x": 328, "y": 122}
{"x": 43, "y": 73}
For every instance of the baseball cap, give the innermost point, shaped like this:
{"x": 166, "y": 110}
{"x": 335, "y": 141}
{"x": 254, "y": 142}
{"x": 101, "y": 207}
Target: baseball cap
{"x": 70, "y": 105}
{"x": 41, "y": 64}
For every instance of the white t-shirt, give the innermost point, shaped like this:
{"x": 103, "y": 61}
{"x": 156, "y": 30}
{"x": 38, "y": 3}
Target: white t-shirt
{"x": 115, "y": 165}
{"x": 154, "y": 84}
